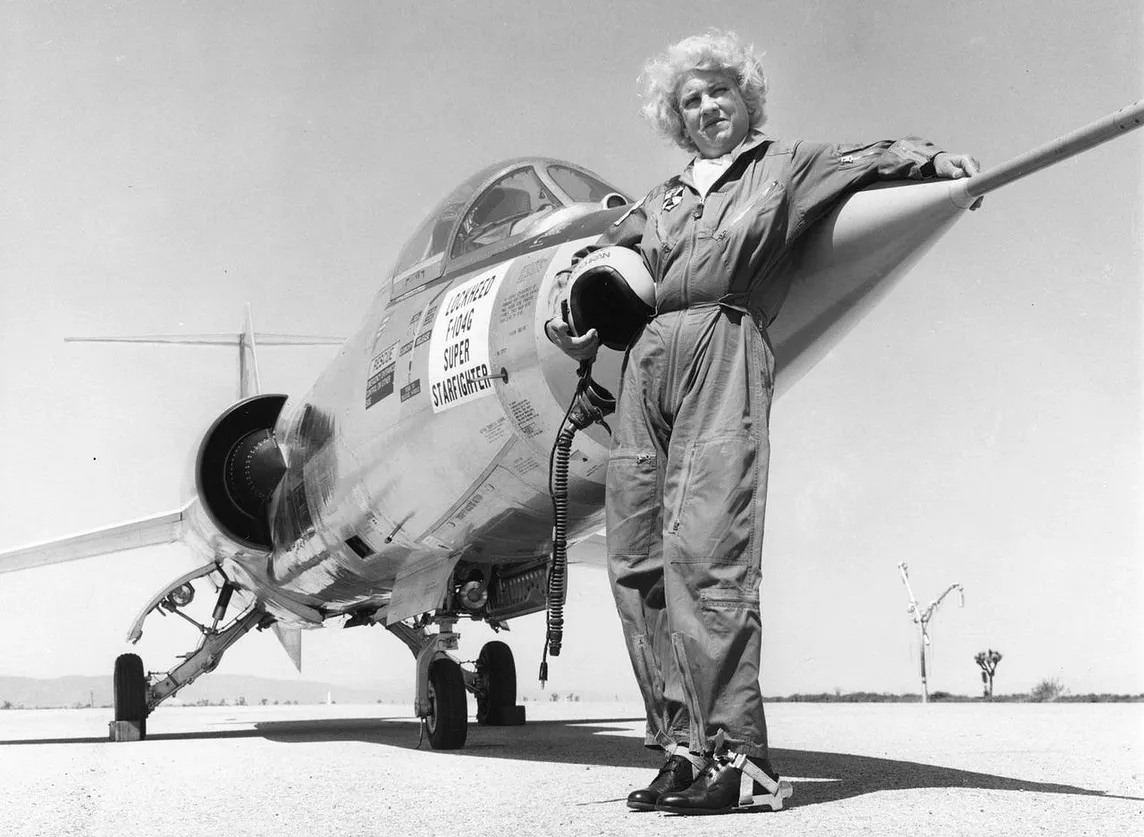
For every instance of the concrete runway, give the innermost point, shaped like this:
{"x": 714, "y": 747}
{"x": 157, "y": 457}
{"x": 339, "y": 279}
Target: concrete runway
{"x": 942, "y": 769}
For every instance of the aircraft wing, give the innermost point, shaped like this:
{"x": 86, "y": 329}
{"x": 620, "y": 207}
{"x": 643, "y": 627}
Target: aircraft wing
{"x": 149, "y": 531}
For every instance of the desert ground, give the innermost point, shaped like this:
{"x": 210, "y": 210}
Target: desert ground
{"x": 942, "y": 769}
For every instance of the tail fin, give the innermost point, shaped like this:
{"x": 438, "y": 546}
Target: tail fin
{"x": 244, "y": 341}
{"x": 248, "y": 383}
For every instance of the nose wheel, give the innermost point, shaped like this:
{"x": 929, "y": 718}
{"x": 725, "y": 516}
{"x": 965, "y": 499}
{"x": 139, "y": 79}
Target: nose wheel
{"x": 496, "y": 687}
{"x": 447, "y": 723}
{"x": 441, "y": 685}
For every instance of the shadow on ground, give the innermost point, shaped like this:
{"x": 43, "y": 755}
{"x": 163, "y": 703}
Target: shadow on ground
{"x": 609, "y": 742}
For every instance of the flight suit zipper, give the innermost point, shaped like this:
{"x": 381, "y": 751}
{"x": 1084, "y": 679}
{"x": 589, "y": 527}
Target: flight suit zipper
{"x": 850, "y": 159}
{"x": 746, "y": 211}
{"x": 696, "y": 214}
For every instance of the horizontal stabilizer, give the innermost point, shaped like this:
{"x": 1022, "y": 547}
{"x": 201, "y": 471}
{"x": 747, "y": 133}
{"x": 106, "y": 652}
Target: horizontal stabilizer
{"x": 231, "y": 339}
{"x": 150, "y": 531}
{"x": 245, "y": 341}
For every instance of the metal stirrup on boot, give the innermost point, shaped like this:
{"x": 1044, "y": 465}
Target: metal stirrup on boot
{"x": 777, "y": 790}
{"x": 698, "y": 763}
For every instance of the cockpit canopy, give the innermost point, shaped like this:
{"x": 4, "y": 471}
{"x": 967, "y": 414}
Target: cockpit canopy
{"x": 499, "y": 205}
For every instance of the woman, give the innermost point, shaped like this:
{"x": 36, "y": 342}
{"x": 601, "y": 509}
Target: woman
{"x": 687, "y": 478}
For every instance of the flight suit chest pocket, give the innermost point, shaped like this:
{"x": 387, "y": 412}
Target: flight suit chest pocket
{"x": 752, "y": 222}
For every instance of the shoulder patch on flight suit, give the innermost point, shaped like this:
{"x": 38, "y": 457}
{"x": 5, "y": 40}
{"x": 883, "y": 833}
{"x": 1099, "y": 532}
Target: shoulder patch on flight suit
{"x": 672, "y": 198}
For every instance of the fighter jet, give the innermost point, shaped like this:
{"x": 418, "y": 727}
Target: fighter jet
{"x": 442, "y": 463}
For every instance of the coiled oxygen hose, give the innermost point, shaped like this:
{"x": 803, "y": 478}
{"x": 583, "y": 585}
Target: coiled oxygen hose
{"x": 558, "y": 568}
{"x": 591, "y": 404}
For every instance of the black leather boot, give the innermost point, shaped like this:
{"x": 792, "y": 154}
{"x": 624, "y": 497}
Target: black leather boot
{"x": 676, "y": 774}
{"x": 723, "y": 788}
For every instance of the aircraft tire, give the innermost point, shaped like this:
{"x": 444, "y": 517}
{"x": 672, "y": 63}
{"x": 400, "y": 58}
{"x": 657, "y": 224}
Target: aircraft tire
{"x": 448, "y": 721}
{"x": 496, "y": 668}
{"x": 130, "y": 689}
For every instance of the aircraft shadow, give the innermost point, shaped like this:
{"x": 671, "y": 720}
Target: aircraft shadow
{"x": 608, "y": 742}
{"x": 604, "y": 742}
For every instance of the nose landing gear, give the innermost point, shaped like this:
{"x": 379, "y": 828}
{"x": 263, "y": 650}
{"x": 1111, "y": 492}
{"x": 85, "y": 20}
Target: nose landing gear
{"x": 447, "y": 721}
{"x": 441, "y": 685}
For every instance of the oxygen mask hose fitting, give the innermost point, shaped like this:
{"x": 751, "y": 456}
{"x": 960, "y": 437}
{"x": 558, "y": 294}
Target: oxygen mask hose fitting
{"x": 591, "y": 404}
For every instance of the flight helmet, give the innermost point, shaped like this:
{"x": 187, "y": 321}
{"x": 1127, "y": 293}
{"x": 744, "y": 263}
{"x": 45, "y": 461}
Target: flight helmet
{"x": 611, "y": 291}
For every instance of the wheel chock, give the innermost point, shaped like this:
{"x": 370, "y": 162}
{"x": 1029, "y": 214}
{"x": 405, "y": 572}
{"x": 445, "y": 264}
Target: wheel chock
{"x": 127, "y": 730}
{"x": 506, "y": 716}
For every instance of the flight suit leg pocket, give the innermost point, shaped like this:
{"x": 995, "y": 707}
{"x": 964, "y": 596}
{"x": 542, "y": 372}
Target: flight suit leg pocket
{"x": 633, "y": 502}
{"x": 713, "y": 513}
{"x": 730, "y": 610}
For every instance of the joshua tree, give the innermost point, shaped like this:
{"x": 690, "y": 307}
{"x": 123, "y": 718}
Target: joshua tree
{"x": 988, "y": 661}
{"x": 922, "y": 618}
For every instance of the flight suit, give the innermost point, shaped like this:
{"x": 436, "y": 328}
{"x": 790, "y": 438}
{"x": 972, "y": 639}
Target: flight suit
{"x": 687, "y": 478}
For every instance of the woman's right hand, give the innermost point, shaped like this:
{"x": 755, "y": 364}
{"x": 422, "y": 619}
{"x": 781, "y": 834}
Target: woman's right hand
{"x": 557, "y": 330}
{"x": 577, "y": 348}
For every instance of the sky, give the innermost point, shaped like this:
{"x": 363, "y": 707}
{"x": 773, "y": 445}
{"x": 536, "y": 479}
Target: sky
{"x": 164, "y": 164}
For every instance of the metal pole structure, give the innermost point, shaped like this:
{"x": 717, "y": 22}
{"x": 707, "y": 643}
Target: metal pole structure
{"x": 1102, "y": 130}
{"x": 913, "y": 611}
{"x": 922, "y": 618}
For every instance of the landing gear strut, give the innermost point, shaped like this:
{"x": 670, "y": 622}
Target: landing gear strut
{"x": 135, "y": 695}
{"x": 441, "y": 685}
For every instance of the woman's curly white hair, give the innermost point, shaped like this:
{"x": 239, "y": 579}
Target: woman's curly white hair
{"x": 713, "y": 50}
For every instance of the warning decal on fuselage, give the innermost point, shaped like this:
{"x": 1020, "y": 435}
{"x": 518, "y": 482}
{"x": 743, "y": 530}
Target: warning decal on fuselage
{"x": 380, "y": 382}
{"x": 459, "y": 347}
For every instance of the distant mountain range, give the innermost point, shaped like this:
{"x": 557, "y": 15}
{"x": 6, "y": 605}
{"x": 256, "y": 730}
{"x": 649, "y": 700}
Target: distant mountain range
{"x": 31, "y": 693}
{"x": 76, "y": 691}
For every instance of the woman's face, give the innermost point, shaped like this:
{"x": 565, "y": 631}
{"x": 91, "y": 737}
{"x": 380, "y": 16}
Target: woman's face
{"x": 713, "y": 111}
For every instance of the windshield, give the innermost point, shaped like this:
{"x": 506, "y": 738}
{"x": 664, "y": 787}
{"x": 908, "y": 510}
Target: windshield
{"x": 528, "y": 191}
{"x": 431, "y": 237}
{"x": 506, "y": 208}
{"x": 579, "y": 186}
